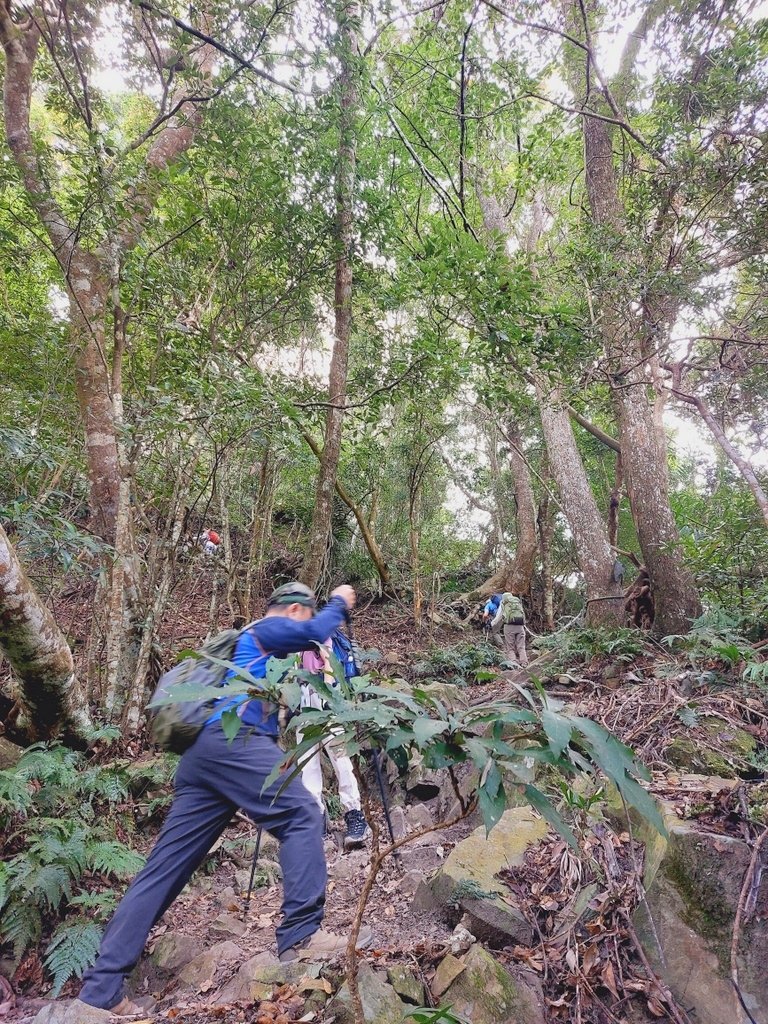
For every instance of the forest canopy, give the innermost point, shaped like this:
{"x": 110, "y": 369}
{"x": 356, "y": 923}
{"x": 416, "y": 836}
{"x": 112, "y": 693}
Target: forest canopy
{"x": 438, "y": 299}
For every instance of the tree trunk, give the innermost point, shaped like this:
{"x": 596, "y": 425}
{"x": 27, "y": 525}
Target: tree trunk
{"x": 414, "y": 536}
{"x": 614, "y": 503}
{"x": 605, "y": 604}
{"x": 88, "y": 310}
{"x": 546, "y": 524}
{"x": 319, "y": 533}
{"x": 641, "y": 434}
{"x": 516, "y": 575}
{"x": 50, "y": 696}
{"x": 366, "y": 530}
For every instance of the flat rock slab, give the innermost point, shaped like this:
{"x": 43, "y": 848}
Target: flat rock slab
{"x": 72, "y": 1011}
{"x": 449, "y": 968}
{"x": 467, "y": 881}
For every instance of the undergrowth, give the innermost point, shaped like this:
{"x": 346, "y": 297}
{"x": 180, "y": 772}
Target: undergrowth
{"x": 62, "y": 827}
{"x": 718, "y": 637}
{"x": 580, "y": 645}
{"x": 465, "y": 664}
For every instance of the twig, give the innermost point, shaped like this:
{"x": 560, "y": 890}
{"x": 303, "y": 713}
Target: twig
{"x": 679, "y": 1016}
{"x": 742, "y": 912}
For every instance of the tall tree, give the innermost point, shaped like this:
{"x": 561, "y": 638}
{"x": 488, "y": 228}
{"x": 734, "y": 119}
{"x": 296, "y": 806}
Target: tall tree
{"x": 631, "y": 345}
{"x": 91, "y": 265}
{"x": 515, "y": 574}
{"x": 347, "y": 17}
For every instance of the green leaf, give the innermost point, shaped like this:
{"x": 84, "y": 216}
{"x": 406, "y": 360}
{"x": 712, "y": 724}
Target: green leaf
{"x": 425, "y": 729}
{"x": 492, "y": 799}
{"x": 231, "y": 723}
{"x": 550, "y": 813}
{"x": 74, "y": 947}
{"x": 558, "y": 729}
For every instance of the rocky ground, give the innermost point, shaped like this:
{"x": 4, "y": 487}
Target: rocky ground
{"x": 513, "y": 927}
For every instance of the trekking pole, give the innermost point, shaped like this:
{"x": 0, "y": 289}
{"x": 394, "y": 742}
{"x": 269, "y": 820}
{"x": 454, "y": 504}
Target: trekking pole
{"x": 376, "y": 759}
{"x": 253, "y": 872}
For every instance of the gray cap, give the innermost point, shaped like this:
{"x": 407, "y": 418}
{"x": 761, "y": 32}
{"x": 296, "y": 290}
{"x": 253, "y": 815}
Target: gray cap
{"x": 293, "y": 593}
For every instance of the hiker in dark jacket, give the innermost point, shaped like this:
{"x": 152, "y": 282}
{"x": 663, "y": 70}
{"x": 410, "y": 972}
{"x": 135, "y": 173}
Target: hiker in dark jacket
{"x": 215, "y": 778}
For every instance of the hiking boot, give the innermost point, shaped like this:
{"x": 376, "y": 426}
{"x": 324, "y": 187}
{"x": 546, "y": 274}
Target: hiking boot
{"x": 357, "y": 829}
{"x": 127, "y": 1008}
{"x": 324, "y": 945}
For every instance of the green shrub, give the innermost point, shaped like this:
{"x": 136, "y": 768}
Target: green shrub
{"x": 463, "y": 664}
{"x": 579, "y": 645}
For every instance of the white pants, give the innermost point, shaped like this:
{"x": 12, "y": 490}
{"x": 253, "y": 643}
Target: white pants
{"x": 312, "y": 772}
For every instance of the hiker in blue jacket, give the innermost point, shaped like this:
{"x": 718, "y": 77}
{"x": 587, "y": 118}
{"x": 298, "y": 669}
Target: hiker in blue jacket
{"x": 215, "y": 778}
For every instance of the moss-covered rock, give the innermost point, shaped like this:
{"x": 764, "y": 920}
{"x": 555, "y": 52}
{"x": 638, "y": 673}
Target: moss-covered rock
{"x": 467, "y": 883}
{"x": 381, "y": 1004}
{"x": 718, "y": 748}
{"x": 485, "y": 993}
{"x": 406, "y": 984}
{"x": 686, "y": 925}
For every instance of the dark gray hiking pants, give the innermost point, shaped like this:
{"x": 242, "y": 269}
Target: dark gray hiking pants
{"x": 214, "y": 778}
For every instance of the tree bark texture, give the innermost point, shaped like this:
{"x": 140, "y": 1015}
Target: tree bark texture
{"x": 546, "y": 531}
{"x": 605, "y": 604}
{"x": 319, "y": 533}
{"x": 39, "y": 655}
{"x": 516, "y": 574}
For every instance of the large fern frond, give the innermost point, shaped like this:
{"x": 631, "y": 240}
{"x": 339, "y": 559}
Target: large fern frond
{"x": 73, "y": 948}
{"x": 21, "y": 925}
{"x": 49, "y": 883}
{"x": 112, "y": 858}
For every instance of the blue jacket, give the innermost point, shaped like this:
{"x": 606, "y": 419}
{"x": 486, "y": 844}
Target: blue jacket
{"x": 279, "y": 636}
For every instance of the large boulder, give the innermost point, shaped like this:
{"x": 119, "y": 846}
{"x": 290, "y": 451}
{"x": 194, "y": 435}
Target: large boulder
{"x": 693, "y": 882}
{"x": 467, "y": 884}
{"x": 485, "y": 993}
{"x": 381, "y": 1004}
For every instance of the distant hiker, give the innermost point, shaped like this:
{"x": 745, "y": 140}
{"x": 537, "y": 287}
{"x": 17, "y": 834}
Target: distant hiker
{"x": 312, "y": 773}
{"x": 491, "y": 607}
{"x": 214, "y": 778}
{"x": 511, "y": 615}
{"x": 210, "y": 541}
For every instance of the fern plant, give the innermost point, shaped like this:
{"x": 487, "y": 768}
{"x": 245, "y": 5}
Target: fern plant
{"x": 59, "y": 851}
{"x": 577, "y": 646}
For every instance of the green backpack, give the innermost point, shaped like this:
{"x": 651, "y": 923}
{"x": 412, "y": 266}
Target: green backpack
{"x": 512, "y": 611}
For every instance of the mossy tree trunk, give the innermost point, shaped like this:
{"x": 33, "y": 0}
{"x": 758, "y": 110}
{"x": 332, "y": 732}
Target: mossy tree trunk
{"x": 51, "y": 700}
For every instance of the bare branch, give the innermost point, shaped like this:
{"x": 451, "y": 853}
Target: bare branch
{"x": 216, "y": 44}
